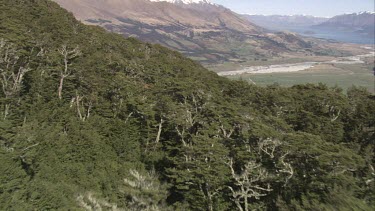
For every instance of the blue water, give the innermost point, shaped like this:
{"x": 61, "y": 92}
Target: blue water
{"x": 341, "y": 36}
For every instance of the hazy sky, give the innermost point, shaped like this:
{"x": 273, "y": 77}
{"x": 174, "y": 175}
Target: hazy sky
{"x": 291, "y": 7}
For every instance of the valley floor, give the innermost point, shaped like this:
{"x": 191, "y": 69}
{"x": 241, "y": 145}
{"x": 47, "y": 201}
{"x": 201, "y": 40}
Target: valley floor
{"x": 341, "y": 71}
{"x": 342, "y": 75}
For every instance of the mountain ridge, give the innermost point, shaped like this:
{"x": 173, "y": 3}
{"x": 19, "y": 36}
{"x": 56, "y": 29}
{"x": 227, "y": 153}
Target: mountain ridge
{"x": 362, "y": 22}
{"x": 205, "y": 32}
{"x": 273, "y": 21}
{"x": 186, "y": 1}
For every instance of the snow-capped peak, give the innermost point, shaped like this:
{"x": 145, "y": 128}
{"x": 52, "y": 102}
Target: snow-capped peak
{"x": 361, "y": 13}
{"x": 366, "y": 12}
{"x": 185, "y": 1}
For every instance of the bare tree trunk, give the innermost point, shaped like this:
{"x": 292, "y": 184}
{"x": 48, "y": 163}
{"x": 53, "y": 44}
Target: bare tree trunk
{"x": 159, "y": 131}
{"x": 237, "y": 202}
{"x": 67, "y": 56}
{"x": 246, "y": 203}
{"x": 210, "y": 203}
{"x": 89, "y": 110}
{"x": 181, "y": 134}
{"x": 210, "y": 207}
{"x": 61, "y": 86}
{"x": 208, "y": 197}
{"x": 127, "y": 118}
{"x": 6, "y": 111}
{"x": 78, "y": 107}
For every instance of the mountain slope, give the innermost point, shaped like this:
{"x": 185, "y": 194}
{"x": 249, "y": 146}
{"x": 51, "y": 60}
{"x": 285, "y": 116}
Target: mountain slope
{"x": 158, "y": 13}
{"x": 93, "y": 121}
{"x": 206, "y": 32}
{"x": 363, "y": 23}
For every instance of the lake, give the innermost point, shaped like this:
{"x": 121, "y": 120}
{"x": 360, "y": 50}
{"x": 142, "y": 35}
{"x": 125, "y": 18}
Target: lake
{"x": 341, "y": 36}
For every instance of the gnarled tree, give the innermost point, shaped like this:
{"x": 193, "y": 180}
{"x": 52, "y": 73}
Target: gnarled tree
{"x": 253, "y": 180}
{"x": 12, "y": 69}
{"x": 68, "y": 56}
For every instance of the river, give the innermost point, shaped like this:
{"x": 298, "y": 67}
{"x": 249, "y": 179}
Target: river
{"x": 295, "y": 67}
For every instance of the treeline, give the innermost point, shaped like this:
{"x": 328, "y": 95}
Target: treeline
{"x": 93, "y": 121}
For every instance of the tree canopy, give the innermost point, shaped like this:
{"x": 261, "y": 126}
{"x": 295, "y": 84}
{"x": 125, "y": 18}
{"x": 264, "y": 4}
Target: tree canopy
{"x": 90, "y": 120}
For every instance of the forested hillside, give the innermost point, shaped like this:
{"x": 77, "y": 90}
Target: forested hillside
{"x": 92, "y": 121}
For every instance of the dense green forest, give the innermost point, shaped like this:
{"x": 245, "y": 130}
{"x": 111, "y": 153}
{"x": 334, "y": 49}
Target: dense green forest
{"x": 90, "y": 120}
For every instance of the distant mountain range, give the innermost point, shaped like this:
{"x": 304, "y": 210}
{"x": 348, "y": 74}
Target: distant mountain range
{"x": 356, "y": 27}
{"x": 281, "y": 22}
{"x": 363, "y": 22}
{"x": 202, "y": 30}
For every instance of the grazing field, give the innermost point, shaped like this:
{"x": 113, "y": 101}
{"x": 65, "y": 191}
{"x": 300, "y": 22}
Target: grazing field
{"x": 342, "y": 75}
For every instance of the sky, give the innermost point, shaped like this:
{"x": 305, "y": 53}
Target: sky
{"x": 323, "y": 8}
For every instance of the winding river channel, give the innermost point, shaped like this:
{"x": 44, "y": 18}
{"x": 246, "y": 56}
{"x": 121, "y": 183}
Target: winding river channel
{"x": 283, "y": 68}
